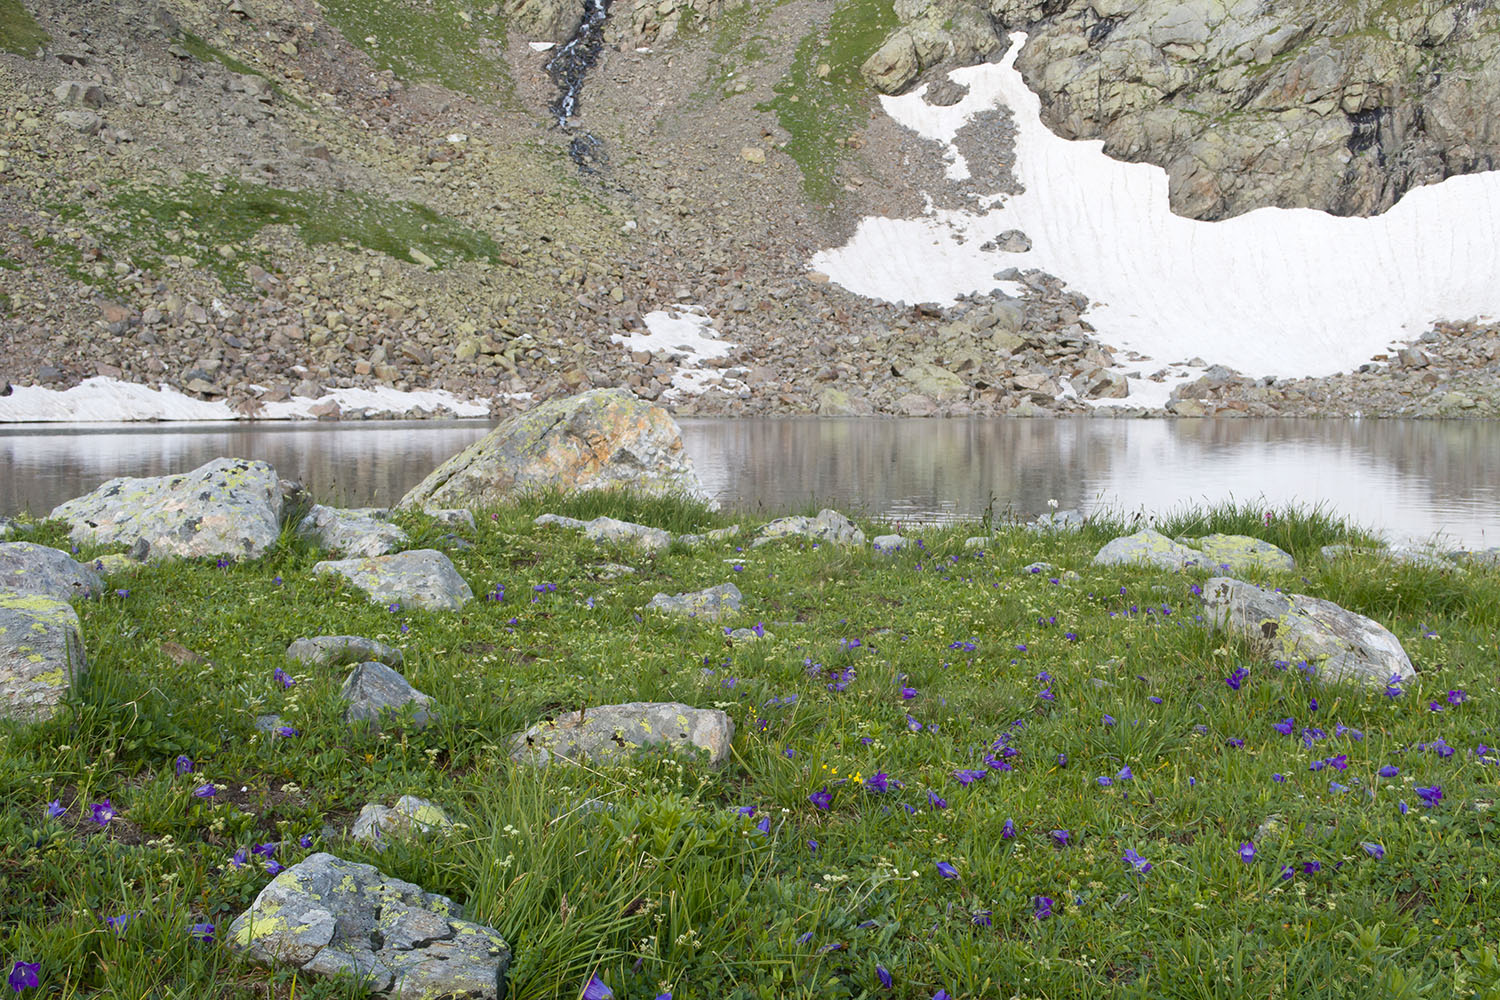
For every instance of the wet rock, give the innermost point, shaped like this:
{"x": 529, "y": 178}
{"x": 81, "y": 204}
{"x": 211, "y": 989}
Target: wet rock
{"x": 602, "y": 438}
{"x": 41, "y": 654}
{"x": 373, "y": 690}
{"x": 612, "y": 730}
{"x": 827, "y": 526}
{"x": 1150, "y": 548}
{"x": 1294, "y": 627}
{"x": 1237, "y": 553}
{"x": 329, "y": 916}
{"x": 360, "y": 532}
{"x": 341, "y": 650}
{"x": 228, "y": 507}
{"x": 424, "y": 578}
{"x": 710, "y": 604}
{"x": 28, "y": 568}
{"x": 409, "y": 815}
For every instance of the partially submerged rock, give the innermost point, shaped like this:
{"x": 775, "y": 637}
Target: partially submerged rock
{"x": 611, "y": 730}
{"x": 41, "y": 654}
{"x": 228, "y": 507}
{"x": 1294, "y": 627}
{"x": 1149, "y": 548}
{"x": 710, "y": 604}
{"x": 339, "y": 650}
{"x": 28, "y": 568}
{"x": 363, "y": 531}
{"x": 1237, "y": 553}
{"x": 327, "y": 916}
{"x": 409, "y": 815}
{"x": 601, "y": 438}
{"x": 827, "y": 526}
{"x": 424, "y": 578}
{"x": 374, "y": 691}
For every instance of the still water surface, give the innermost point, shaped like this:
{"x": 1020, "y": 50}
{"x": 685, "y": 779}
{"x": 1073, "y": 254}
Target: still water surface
{"x": 1409, "y": 479}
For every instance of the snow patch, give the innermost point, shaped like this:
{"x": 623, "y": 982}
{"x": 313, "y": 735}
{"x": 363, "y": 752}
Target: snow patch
{"x": 684, "y": 335}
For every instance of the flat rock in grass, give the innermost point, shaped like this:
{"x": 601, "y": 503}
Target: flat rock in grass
{"x": 888, "y": 544}
{"x": 827, "y": 526}
{"x": 710, "y": 604}
{"x": 1148, "y": 548}
{"x": 327, "y": 916}
{"x": 409, "y": 815}
{"x": 338, "y": 650}
{"x": 374, "y": 690}
{"x": 1237, "y": 553}
{"x": 361, "y": 532}
{"x": 1294, "y": 627}
{"x": 613, "y": 571}
{"x": 28, "y": 568}
{"x": 41, "y": 654}
{"x": 114, "y": 563}
{"x": 611, "y": 730}
{"x": 599, "y": 439}
{"x": 716, "y": 535}
{"x": 424, "y": 578}
{"x": 228, "y": 507}
{"x": 608, "y": 529}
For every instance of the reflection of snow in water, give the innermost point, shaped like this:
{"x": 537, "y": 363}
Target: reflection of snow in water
{"x": 1286, "y": 292}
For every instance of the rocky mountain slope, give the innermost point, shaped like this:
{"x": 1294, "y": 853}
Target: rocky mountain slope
{"x": 246, "y": 199}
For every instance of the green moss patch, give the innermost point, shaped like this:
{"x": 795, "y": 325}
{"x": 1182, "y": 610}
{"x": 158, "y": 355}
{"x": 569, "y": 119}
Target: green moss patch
{"x": 19, "y": 32}
{"x": 446, "y": 41}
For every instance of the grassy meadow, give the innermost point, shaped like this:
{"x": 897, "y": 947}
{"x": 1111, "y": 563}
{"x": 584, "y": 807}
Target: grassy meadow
{"x": 951, "y": 776}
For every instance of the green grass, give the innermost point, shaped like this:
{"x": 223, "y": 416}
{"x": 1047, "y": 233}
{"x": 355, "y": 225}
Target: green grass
{"x": 672, "y": 887}
{"x": 204, "y": 52}
{"x": 430, "y": 40}
{"x": 820, "y": 113}
{"x": 19, "y": 32}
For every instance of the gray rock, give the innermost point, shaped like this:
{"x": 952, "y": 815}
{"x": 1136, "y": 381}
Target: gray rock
{"x": 409, "y": 815}
{"x": 1060, "y": 520}
{"x": 600, "y": 439}
{"x": 340, "y": 650}
{"x": 267, "y": 723}
{"x": 749, "y": 635}
{"x": 828, "y": 526}
{"x": 85, "y": 122}
{"x": 453, "y": 517}
{"x": 1150, "y": 548}
{"x": 327, "y": 916}
{"x": 41, "y": 654}
{"x": 28, "y": 568}
{"x": 7, "y": 526}
{"x": 422, "y": 577}
{"x": 373, "y": 689}
{"x": 1013, "y": 241}
{"x": 716, "y": 535}
{"x": 611, "y": 730}
{"x": 978, "y": 541}
{"x": 1237, "y": 553}
{"x": 361, "y": 532}
{"x": 228, "y": 507}
{"x": 1039, "y": 569}
{"x": 710, "y": 604}
{"x": 610, "y": 530}
{"x": 889, "y": 544}
{"x": 613, "y": 571}
{"x": 1294, "y": 627}
{"x": 560, "y": 521}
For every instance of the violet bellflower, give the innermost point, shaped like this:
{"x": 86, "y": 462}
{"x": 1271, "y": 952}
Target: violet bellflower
{"x": 596, "y": 990}
{"x": 946, "y": 870}
{"x": 823, "y": 799}
{"x": 23, "y": 975}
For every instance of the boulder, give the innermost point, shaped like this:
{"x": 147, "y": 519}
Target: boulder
{"x": 373, "y": 689}
{"x": 360, "y": 532}
{"x": 326, "y": 916}
{"x": 340, "y": 650}
{"x": 607, "y": 529}
{"x": 611, "y": 730}
{"x": 28, "y": 568}
{"x": 41, "y": 654}
{"x": 409, "y": 815}
{"x": 424, "y": 578}
{"x": 228, "y": 507}
{"x": 888, "y": 544}
{"x": 828, "y": 526}
{"x": 893, "y": 66}
{"x": 599, "y": 439}
{"x": 1149, "y": 548}
{"x": 710, "y": 604}
{"x": 1294, "y": 627}
{"x": 1237, "y": 553}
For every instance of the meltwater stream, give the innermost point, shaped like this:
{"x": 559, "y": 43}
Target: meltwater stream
{"x": 568, "y": 68}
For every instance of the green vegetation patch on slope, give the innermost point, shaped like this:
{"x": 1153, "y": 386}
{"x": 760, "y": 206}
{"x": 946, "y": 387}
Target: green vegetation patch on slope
{"x": 19, "y": 32}
{"x": 822, "y": 109}
{"x": 447, "y": 41}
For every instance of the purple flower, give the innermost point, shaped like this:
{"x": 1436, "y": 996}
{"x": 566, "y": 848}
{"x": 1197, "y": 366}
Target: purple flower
{"x": 1247, "y": 852}
{"x": 913, "y": 724}
{"x": 981, "y": 918}
{"x": 764, "y": 826}
{"x": 1338, "y": 788}
{"x": 1401, "y": 807}
{"x": 238, "y": 860}
{"x": 1104, "y": 781}
{"x": 1046, "y": 694}
{"x": 202, "y": 932}
{"x": 941, "y": 995}
{"x": 102, "y": 812}
{"x": 23, "y": 975}
{"x": 1008, "y": 831}
{"x": 274, "y": 867}
{"x": 1109, "y": 720}
{"x": 967, "y": 777}
{"x": 883, "y": 975}
{"x": 283, "y": 677}
{"x": 287, "y": 732}
{"x": 1124, "y": 774}
{"x": 204, "y": 792}
{"x": 596, "y": 990}
{"x": 878, "y": 782}
{"x": 935, "y": 800}
{"x": 1375, "y": 851}
{"x": 1286, "y": 873}
{"x": 822, "y": 799}
{"x": 305, "y": 840}
{"x": 908, "y": 693}
{"x": 946, "y": 870}
{"x": 805, "y": 938}
{"x": 1389, "y": 771}
{"x": 1062, "y": 760}
{"x": 1430, "y": 796}
{"x": 1134, "y": 860}
{"x": 1154, "y": 700}
{"x": 1041, "y": 907}
{"x": 1060, "y": 837}
{"x": 1286, "y": 726}
{"x": 1280, "y": 779}
{"x": 55, "y": 809}
{"x": 1312, "y": 704}
{"x": 265, "y": 850}
{"x": 812, "y": 845}
{"x": 1458, "y": 696}
{"x": 1311, "y": 867}
{"x": 117, "y": 923}
{"x": 1237, "y": 678}
{"x": 184, "y": 764}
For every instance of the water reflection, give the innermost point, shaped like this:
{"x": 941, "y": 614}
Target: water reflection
{"x": 1411, "y": 478}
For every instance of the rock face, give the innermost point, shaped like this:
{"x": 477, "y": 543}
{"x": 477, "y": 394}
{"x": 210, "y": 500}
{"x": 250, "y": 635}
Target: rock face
{"x": 41, "y": 654}
{"x": 710, "y": 604}
{"x": 602, "y": 438}
{"x": 339, "y": 650}
{"x": 409, "y": 815}
{"x": 1294, "y": 627}
{"x": 374, "y": 689}
{"x": 422, "y": 577}
{"x": 360, "y": 532}
{"x": 828, "y": 526}
{"x": 326, "y": 915}
{"x": 1150, "y": 548}
{"x": 1237, "y": 553}
{"x": 611, "y": 730}
{"x": 229, "y": 507}
{"x": 27, "y": 568}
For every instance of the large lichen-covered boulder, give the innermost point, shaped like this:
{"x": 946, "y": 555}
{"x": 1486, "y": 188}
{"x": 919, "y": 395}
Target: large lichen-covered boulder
{"x": 28, "y": 568}
{"x": 228, "y": 507}
{"x": 41, "y": 654}
{"x": 1342, "y": 645}
{"x": 1148, "y": 548}
{"x": 601, "y": 438}
{"x": 424, "y": 578}
{"x": 611, "y": 730}
{"x": 327, "y": 916}
{"x": 363, "y": 531}
{"x": 828, "y": 526}
{"x": 1237, "y": 553}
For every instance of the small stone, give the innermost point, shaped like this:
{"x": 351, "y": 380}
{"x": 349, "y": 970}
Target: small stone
{"x": 409, "y": 815}
{"x": 827, "y": 526}
{"x": 888, "y": 544}
{"x": 373, "y": 689}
